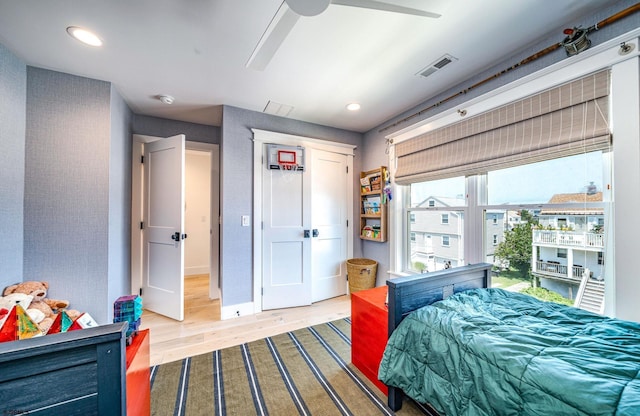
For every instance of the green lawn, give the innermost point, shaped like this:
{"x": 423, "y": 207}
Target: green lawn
{"x": 512, "y": 277}
{"x": 507, "y": 278}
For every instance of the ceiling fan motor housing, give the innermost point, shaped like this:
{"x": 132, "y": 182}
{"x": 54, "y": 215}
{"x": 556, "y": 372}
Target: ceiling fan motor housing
{"x": 308, "y": 7}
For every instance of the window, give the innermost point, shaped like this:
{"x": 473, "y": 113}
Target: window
{"x": 428, "y": 218}
{"x": 549, "y": 197}
{"x": 550, "y": 213}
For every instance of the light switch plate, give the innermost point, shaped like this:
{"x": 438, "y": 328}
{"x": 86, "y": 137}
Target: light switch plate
{"x": 245, "y": 220}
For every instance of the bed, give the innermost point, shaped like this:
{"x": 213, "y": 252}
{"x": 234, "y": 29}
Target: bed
{"x": 465, "y": 349}
{"x": 73, "y": 373}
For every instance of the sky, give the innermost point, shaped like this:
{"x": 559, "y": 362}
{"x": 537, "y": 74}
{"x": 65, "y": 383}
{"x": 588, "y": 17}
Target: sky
{"x": 526, "y": 184}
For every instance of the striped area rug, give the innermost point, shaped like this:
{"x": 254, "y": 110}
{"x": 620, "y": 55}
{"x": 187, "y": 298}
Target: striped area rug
{"x": 306, "y": 372}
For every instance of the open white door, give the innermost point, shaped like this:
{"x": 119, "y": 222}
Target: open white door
{"x": 286, "y": 246}
{"x": 163, "y": 201}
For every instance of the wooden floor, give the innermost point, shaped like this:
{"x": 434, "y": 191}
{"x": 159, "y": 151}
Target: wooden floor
{"x": 202, "y": 330}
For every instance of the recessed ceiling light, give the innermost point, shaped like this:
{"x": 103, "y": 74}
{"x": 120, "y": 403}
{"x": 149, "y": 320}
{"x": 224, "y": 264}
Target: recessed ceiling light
{"x": 84, "y": 36}
{"x": 353, "y": 107}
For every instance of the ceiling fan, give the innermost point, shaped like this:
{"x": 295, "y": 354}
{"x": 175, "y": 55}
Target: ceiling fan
{"x": 291, "y": 10}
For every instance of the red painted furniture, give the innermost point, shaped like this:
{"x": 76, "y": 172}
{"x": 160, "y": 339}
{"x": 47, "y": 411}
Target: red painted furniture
{"x": 138, "y": 386}
{"x": 369, "y": 331}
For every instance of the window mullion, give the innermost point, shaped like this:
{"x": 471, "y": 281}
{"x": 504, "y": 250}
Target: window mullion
{"x": 474, "y": 225}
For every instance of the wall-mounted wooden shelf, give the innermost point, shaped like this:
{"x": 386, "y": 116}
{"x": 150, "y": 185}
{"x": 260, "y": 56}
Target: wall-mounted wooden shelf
{"x": 373, "y": 210}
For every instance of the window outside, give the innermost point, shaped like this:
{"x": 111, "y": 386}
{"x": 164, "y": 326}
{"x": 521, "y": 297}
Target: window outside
{"x": 436, "y": 225}
{"x": 543, "y": 225}
{"x": 548, "y": 250}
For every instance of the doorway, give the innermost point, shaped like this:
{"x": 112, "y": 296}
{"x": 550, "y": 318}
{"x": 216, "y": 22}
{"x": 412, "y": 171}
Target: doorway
{"x": 202, "y": 199}
{"x": 203, "y": 209}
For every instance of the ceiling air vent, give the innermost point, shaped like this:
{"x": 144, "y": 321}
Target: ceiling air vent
{"x": 277, "y": 109}
{"x": 437, "y": 65}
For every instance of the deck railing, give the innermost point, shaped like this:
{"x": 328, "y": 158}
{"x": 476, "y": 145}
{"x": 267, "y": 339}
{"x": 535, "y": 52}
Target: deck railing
{"x": 568, "y": 239}
{"x": 559, "y": 270}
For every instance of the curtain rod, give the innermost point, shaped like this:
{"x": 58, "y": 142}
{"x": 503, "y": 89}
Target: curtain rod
{"x": 624, "y": 13}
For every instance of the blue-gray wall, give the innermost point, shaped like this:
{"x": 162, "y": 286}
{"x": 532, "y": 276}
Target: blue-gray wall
{"x": 161, "y": 127}
{"x": 119, "y": 259}
{"x": 69, "y": 197}
{"x": 236, "y": 166}
{"x": 13, "y": 87}
{"x": 374, "y": 140}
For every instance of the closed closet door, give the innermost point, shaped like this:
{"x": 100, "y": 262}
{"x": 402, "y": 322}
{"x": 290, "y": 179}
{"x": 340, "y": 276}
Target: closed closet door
{"x": 286, "y": 261}
{"x": 304, "y": 231}
{"x": 329, "y": 222}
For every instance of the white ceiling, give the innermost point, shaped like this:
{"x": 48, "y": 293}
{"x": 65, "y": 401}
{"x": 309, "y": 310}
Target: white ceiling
{"x": 196, "y": 51}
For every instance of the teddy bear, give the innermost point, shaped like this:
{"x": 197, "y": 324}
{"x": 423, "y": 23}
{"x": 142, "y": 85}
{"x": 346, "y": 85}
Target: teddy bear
{"x": 38, "y": 290}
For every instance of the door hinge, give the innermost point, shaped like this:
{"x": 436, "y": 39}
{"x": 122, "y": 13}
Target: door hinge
{"x": 142, "y": 159}
{"x": 142, "y": 225}
{"x": 262, "y": 291}
{"x": 347, "y": 169}
{"x": 140, "y": 291}
{"x": 347, "y": 223}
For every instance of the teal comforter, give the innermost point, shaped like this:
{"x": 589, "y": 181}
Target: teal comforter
{"x": 493, "y": 352}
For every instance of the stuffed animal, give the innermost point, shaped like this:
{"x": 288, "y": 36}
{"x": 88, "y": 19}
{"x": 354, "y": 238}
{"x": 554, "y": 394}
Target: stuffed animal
{"x": 40, "y": 302}
{"x": 37, "y": 316}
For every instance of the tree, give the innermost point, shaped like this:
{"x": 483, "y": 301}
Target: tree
{"x": 517, "y": 244}
{"x": 526, "y": 216}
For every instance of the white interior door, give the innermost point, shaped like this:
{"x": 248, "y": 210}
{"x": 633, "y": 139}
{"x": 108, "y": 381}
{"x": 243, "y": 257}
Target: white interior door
{"x": 329, "y": 181}
{"x": 163, "y": 201}
{"x": 286, "y": 267}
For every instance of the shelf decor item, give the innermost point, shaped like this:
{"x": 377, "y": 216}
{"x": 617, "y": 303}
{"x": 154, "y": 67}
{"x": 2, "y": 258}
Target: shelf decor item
{"x": 373, "y": 204}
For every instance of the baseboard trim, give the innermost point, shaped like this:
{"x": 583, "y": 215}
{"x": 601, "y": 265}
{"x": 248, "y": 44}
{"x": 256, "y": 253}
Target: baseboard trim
{"x": 195, "y": 270}
{"x": 235, "y": 311}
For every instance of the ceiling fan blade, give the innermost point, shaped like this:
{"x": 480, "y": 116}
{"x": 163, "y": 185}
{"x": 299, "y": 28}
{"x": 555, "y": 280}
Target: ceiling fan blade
{"x": 387, "y": 7}
{"x": 278, "y": 29}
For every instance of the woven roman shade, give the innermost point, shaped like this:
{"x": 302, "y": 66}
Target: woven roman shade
{"x": 566, "y": 120}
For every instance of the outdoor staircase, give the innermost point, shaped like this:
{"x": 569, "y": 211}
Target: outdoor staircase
{"x": 590, "y": 295}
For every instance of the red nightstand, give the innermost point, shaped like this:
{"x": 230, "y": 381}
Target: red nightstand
{"x": 369, "y": 316}
{"x": 138, "y": 386}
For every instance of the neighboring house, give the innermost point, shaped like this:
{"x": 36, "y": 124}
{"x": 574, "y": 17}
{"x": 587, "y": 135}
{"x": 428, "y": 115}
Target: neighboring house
{"x": 513, "y": 218}
{"x": 569, "y": 243}
{"x": 495, "y": 223}
{"x": 436, "y": 236}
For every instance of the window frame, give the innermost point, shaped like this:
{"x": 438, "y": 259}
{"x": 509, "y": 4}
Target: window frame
{"x": 474, "y": 212}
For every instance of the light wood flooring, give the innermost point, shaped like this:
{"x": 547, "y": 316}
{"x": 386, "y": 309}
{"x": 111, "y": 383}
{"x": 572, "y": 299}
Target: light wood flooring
{"x": 202, "y": 330}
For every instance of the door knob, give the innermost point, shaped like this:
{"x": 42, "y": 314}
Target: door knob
{"x": 184, "y": 236}
{"x": 307, "y": 234}
{"x": 315, "y": 232}
{"x": 175, "y": 236}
